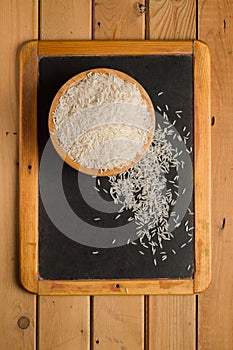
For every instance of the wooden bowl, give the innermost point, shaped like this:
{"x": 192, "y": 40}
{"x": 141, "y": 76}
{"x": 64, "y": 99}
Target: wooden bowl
{"x": 73, "y": 81}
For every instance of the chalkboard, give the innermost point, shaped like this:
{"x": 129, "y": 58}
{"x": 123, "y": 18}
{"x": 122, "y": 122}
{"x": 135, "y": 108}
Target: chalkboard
{"x": 82, "y": 234}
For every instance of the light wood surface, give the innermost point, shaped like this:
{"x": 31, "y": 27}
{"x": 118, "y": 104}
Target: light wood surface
{"x": 65, "y": 20}
{"x": 68, "y": 335}
{"x": 100, "y": 311}
{"x": 18, "y": 23}
{"x": 163, "y": 25}
{"x": 117, "y": 26}
{"x": 118, "y": 19}
{"x": 215, "y": 309}
{"x": 172, "y": 19}
{"x": 118, "y": 323}
{"x": 172, "y": 322}
{"x": 64, "y": 323}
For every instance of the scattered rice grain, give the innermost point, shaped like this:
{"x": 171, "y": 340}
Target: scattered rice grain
{"x": 183, "y": 245}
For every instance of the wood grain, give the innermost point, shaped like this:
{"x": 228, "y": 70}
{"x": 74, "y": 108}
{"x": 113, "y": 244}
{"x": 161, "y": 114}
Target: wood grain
{"x": 172, "y": 19}
{"x": 18, "y": 23}
{"x": 117, "y": 47}
{"x": 165, "y": 23}
{"x": 215, "y": 311}
{"x": 119, "y": 287}
{"x": 202, "y": 174}
{"x": 64, "y": 323}
{"x": 118, "y": 19}
{"x": 118, "y": 323}
{"x": 170, "y": 329}
{"x": 28, "y": 162}
{"x": 67, "y": 16}
{"x": 67, "y": 19}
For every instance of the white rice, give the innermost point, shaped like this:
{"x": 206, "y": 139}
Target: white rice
{"x": 102, "y": 122}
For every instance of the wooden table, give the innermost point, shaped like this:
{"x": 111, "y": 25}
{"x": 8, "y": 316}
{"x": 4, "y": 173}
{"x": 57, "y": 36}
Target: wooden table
{"x": 126, "y": 323}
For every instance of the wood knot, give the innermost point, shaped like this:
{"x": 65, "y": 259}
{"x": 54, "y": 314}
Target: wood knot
{"x": 23, "y": 322}
{"x": 141, "y": 8}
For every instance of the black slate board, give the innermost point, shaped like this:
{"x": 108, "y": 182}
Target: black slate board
{"x": 61, "y": 258}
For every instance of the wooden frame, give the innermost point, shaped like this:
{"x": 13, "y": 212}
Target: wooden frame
{"x": 29, "y": 168}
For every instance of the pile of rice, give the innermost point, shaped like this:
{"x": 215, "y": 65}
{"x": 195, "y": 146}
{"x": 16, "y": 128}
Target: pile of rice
{"x": 142, "y": 188}
{"x": 102, "y": 122}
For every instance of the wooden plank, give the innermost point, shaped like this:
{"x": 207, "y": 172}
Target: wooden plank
{"x": 67, "y": 16}
{"x": 18, "y": 23}
{"x": 109, "y": 47}
{"x": 118, "y": 323}
{"x": 171, "y": 322}
{"x": 123, "y": 287}
{"x": 64, "y": 323}
{"x": 172, "y": 19}
{"x": 28, "y": 161}
{"x": 65, "y": 20}
{"x": 118, "y": 19}
{"x": 202, "y": 174}
{"x": 215, "y": 312}
{"x": 124, "y": 328}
